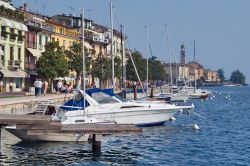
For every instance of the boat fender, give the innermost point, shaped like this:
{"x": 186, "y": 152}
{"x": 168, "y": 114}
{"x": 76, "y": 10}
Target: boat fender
{"x": 181, "y": 110}
{"x": 195, "y": 127}
{"x": 172, "y": 119}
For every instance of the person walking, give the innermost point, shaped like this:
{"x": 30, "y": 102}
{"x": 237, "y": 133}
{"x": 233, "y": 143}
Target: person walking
{"x": 39, "y": 86}
{"x": 45, "y": 87}
{"x": 1, "y": 85}
{"x": 36, "y": 86}
{"x": 11, "y": 86}
{"x": 59, "y": 86}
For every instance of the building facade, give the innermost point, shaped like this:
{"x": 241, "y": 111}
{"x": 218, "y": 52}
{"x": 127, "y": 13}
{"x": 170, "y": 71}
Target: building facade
{"x": 12, "y": 48}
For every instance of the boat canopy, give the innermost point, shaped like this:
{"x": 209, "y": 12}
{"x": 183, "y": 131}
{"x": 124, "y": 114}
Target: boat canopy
{"x": 93, "y": 97}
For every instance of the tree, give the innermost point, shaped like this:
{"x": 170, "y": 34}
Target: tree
{"x": 102, "y": 68}
{"x": 140, "y": 64}
{"x": 156, "y": 69}
{"x": 74, "y": 56}
{"x": 52, "y": 63}
{"x": 118, "y": 67}
{"x": 237, "y": 77}
{"x": 221, "y": 75}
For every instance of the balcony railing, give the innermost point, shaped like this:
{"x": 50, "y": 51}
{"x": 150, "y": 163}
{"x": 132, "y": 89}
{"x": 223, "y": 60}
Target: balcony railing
{"x": 14, "y": 64}
{"x": 11, "y": 14}
{"x": 48, "y": 28}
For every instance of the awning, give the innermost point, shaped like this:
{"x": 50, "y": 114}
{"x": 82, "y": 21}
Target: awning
{"x": 88, "y": 30}
{"x": 13, "y": 24}
{"x": 13, "y": 74}
{"x": 6, "y": 5}
{"x": 88, "y": 46}
{"x": 35, "y": 52}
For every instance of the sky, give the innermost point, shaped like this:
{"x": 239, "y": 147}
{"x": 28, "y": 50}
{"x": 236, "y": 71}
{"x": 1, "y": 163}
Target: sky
{"x": 220, "y": 28}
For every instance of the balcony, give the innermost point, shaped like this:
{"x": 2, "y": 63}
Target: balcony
{"x": 96, "y": 39}
{"x": 48, "y": 28}
{"x": 11, "y": 14}
{"x": 31, "y": 44}
{"x": 14, "y": 64}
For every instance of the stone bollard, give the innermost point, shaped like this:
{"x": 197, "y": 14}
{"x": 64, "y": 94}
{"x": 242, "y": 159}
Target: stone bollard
{"x": 152, "y": 92}
{"x": 135, "y": 93}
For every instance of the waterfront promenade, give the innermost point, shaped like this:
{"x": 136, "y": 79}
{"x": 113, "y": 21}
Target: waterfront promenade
{"x": 28, "y": 104}
{"x": 25, "y": 99}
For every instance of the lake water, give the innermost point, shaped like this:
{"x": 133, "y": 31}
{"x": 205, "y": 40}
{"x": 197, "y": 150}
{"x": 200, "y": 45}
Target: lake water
{"x": 224, "y": 139}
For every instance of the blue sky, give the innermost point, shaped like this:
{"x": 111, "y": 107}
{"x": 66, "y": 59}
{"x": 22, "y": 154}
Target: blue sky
{"x": 221, "y": 28}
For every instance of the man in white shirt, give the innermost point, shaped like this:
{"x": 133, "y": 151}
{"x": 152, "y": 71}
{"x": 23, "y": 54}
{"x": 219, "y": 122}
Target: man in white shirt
{"x": 59, "y": 86}
{"x": 39, "y": 86}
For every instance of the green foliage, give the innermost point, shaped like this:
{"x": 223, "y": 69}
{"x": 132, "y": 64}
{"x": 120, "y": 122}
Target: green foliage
{"x": 237, "y": 77}
{"x": 52, "y": 63}
{"x": 221, "y": 75}
{"x": 118, "y": 67}
{"x": 13, "y": 14}
{"x": 101, "y": 68}
{"x": 140, "y": 64}
{"x": 155, "y": 68}
{"x": 74, "y": 56}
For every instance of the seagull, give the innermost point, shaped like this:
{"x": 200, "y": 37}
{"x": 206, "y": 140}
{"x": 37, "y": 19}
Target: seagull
{"x": 195, "y": 127}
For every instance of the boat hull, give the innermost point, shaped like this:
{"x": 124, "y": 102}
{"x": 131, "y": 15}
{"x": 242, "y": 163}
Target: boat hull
{"x": 147, "y": 117}
{"x": 48, "y": 137}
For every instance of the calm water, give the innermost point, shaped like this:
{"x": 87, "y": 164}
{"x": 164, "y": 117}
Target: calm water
{"x": 224, "y": 139}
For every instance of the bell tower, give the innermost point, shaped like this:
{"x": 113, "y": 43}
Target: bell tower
{"x": 182, "y": 54}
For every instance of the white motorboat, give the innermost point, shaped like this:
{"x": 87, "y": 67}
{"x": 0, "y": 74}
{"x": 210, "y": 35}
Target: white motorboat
{"x": 106, "y": 108}
{"x": 174, "y": 97}
{"x": 199, "y": 94}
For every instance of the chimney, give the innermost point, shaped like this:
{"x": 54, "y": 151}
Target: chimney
{"x": 25, "y": 7}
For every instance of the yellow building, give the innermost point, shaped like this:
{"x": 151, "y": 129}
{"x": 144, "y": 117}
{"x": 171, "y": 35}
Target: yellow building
{"x": 64, "y": 35}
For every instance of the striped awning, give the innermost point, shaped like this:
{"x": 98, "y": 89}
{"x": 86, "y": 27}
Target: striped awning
{"x": 13, "y": 74}
{"x": 6, "y": 5}
{"x": 13, "y": 24}
{"x": 88, "y": 46}
{"x": 35, "y": 52}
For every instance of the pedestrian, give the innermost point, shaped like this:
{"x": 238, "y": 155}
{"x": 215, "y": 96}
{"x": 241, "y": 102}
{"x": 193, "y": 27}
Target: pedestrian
{"x": 36, "y": 86}
{"x": 70, "y": 87}
{"x": 59, "y": 86}
{"x": 11, "y": 86}
{"x": 45, "y": 87}
{"x": 1, "y": 85}
{"x": 40, "y": 84}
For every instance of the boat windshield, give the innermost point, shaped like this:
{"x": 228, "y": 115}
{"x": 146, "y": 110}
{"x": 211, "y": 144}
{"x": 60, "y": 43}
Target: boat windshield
{"x": 103, "y": 98}
{"x": 120, "y": 98}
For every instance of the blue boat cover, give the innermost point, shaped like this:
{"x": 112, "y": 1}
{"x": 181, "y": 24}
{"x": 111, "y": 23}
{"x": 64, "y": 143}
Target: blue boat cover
{"x": 73, "y": 104}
